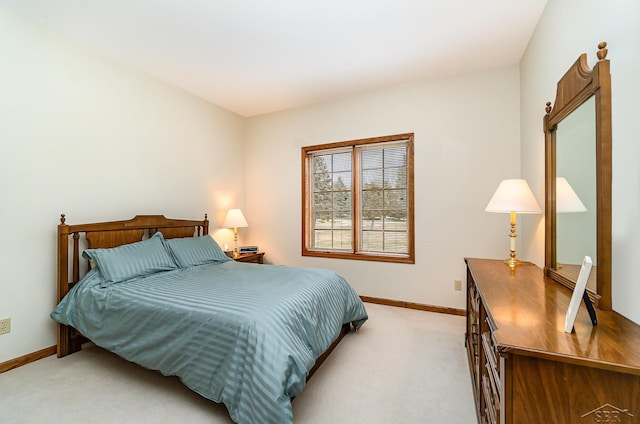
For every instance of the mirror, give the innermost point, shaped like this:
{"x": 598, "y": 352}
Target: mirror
{"x": 576, "y": 191}
{"x": 578, "y": 178}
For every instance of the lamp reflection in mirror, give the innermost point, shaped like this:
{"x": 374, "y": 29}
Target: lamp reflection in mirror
{"x": 567, "y": 201}
{"x": 513, "y": 196}
{"x": 235, "y": 219}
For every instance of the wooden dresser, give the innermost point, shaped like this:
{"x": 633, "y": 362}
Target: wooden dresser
{"x": 526, "y": 369}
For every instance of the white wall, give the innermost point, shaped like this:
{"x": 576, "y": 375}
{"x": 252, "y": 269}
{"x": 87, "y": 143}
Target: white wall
{"x": 466, "y": 141}
{"x": 84, "y": 135}
{"x": 567, "y": 29}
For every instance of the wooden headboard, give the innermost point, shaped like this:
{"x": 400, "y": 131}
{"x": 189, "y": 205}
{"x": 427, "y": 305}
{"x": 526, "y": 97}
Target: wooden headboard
{"x": 106, "y": 235}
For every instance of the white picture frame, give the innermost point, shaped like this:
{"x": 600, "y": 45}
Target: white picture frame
{"x": 578, "y": 292}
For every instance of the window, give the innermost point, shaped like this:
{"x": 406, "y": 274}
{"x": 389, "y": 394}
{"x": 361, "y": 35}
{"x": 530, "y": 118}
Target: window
{"x": 358, "y": 199}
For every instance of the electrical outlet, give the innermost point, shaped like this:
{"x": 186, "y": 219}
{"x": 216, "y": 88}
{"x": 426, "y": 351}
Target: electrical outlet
{"x": 457, "y": 285}
{"x": 5, "y": 325}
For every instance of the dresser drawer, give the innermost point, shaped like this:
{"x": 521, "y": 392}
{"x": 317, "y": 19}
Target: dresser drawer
{"x": 474, "y": 299}
{"x": 491, "y": 404}
{"x": 492, "y": 358}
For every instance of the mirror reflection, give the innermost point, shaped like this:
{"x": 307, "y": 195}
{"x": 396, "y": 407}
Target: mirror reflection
{"x": 576, "y": 198}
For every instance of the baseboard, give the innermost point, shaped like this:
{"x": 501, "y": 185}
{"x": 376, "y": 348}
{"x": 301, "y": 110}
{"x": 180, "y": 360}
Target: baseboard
{"x": 411, "y": 305}
{"x": 26, "y": 359}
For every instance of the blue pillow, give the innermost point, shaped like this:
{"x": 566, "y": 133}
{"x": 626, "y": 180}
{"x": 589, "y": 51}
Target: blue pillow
{"x": 132, "y": 260}
{"x": 192, "y": 251}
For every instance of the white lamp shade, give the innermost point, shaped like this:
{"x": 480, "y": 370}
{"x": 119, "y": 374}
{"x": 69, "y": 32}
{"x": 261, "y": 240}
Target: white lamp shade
{"x": 234, "y": 219}
{"x": 513, "y": 196}
{"x": 566, "y": 199}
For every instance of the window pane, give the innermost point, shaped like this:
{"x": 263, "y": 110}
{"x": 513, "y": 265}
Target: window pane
{"x": 371, "y": 159}
{"x": 384, "y": 212}
{"x": 395, "y": 242}
{"x": 372, "y": 220}
{"x": 321, "y": 173}
{"x": 372, "y": 241}
{"x": 322, "y": 220}
{"x": 372, "y": 199}
{"x": 396, "y": 223}
{"x": 341, "y": 162}
{"x": 321, "y": 163}
{"x": 322, "y": 201}
{"x": 332, "y": 201}
{"x": 395, "y": 199}
{"x": 341, "y": 223}
{"x": 322, "y": 239}
{"x": 321, "y": 182}
{"x": 372, "y": 178}
{"x": 395, "y": 156}
{"x": 342, "y": 202}
{"x": 341, "y": 181}
{"x": 343, "y": 219}
{"x": 395, "y": 177}
{"x": 342, "y": 239}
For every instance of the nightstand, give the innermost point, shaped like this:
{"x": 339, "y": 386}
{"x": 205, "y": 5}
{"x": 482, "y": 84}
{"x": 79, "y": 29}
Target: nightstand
{"x": 257, "y": 258}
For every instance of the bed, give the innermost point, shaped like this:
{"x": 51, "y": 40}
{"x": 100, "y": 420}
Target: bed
{"x": 161, "y": 293}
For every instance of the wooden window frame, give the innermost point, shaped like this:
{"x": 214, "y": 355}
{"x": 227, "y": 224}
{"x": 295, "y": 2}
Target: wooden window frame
{"x": 354, "y": 253}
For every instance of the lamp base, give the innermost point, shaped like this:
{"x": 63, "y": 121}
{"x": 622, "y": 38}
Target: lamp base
{"x": 512, "y": 262}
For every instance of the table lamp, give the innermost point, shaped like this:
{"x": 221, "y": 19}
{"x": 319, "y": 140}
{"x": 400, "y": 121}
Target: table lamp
{"x": 235, "y": 219}
{"x": 513, "y": 196}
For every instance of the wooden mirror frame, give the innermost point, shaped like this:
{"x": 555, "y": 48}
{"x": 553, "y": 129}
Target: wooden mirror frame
{"x": 577, "y": 85}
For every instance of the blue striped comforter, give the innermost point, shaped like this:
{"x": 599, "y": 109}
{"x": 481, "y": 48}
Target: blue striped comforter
{"x": 242, "y": 334}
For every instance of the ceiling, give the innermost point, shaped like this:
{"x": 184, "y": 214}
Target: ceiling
{"x": 259, "y": 56}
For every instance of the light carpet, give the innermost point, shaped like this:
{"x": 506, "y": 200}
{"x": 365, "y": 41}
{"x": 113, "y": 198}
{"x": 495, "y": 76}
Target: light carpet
{"x": 403, "y": 366}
